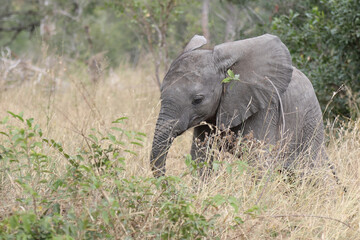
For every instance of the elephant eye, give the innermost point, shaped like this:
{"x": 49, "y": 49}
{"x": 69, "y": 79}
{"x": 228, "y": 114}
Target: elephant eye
{"x": 197, "y": 100}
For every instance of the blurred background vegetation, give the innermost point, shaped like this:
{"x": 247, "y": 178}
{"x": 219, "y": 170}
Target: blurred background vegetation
{"x": 322, "y": 36}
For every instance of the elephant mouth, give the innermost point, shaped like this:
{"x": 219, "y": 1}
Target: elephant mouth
{"x": 195, "y": 121}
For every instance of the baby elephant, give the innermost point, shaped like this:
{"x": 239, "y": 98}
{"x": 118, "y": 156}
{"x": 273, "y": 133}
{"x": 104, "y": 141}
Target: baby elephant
{"x": 270, "y": 99}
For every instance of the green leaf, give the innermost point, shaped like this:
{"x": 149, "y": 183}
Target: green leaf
{"x": 218, "y": 200}
{"x": 129, "y": 151}
{"x": 29, "y": 122}
{"x": 117, "y": 129}
{"x": 139, "y": 138}
{"x": 227, "y": 80}
{"x": 128, "y": 134}
{"x": 58, "y": 183}
{"x": 30, "y": 135}
{"x": 86, "y": 168}
{"x": 231, "y": 77}
{"x": 93, "y": 137}
{"x": 141, "y": 134}
{"x": 17, "y": 116}
{"x": 105, "y": 216}
{"x": 234, "y": 203}
{"x": 251, "y": 210}
{"x": 36, "y": 144}
{"x": 3, "y": 133}
{"x": 14, "y": 221}
{"x": 112, "y": 138}
{"x": 40, "y": 132}
{"x": 120, "y": 120}
{"x": 230, "y": 73}
{"x": 79, "y": 158}
{"x": 137, "y": 143}
{"x": 188, "y": 160}
{"x": 238, "y": 220}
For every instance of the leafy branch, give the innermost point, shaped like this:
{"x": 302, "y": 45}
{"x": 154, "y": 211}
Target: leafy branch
{"x": 231, "y": 77}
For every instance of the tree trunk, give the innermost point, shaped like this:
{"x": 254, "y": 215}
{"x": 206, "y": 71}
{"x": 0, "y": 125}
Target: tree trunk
{"x": 205, "y": 20}
{"x": 231, "y": 21}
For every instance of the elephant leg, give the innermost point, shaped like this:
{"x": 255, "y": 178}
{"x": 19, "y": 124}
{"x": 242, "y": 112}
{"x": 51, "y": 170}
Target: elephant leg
{"x": 201, "y": 147}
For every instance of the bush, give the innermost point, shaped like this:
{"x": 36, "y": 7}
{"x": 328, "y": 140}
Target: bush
{"x": 93, "y": 198}
{"x": 324, "y": 41}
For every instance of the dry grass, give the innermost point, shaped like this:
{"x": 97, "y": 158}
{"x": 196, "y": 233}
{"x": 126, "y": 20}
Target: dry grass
{"x": 270, "y": 207}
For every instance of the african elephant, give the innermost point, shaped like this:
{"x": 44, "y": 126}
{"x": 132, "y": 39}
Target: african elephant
{"x": 272, "y": 99}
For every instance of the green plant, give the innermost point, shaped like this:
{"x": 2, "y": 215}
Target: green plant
{"x": 23, "y": 158}
{"x": 323, "y": 39}
{"x": 92, "y": 198}
{"x": 231, "y": 77}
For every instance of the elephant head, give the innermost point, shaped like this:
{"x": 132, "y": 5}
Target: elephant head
{"x": 192, "y": 90}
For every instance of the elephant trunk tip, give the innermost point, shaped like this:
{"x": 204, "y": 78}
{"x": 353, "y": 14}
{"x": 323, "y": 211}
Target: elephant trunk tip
{"x": 157, "y": 163}
{"x": 158, "y": 172}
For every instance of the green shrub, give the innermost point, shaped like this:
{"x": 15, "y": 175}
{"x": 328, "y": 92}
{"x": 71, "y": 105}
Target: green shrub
{"x": 93, "y": 198}
{"x": 324, "y": 41}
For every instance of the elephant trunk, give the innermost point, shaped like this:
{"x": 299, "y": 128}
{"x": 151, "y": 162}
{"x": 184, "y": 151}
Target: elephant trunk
{"x": 164, "y": 135}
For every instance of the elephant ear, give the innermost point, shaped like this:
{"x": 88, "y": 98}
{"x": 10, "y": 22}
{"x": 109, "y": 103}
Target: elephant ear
{"x": 196, "y": 42}
{"x": 263, "y": 63}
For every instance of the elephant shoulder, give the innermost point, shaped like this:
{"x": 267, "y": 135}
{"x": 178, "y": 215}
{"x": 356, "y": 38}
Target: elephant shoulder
{"x": 299, "y": 78}
{"x": 300, "y": 87}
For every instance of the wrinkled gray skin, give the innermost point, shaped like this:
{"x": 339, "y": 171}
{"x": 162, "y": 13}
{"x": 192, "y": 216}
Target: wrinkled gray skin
{"x": 192, "y": 92}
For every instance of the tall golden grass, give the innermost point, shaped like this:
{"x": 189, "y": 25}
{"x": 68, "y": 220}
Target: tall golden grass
{"x": 67, "y": 105}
